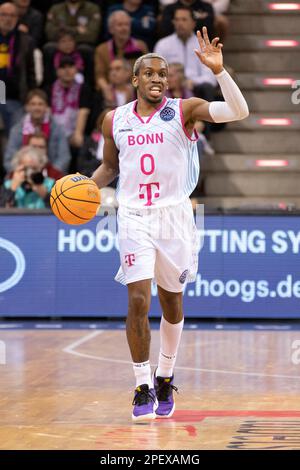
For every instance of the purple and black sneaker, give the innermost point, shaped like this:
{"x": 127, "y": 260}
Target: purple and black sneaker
{"x": 164, "y": 391}
{"x": 145, "y": 403}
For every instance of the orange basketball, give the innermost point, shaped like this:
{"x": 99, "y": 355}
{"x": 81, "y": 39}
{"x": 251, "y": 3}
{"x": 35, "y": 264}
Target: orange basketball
{"x": 75, "y": 199}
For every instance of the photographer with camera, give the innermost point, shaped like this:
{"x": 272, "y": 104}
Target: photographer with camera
{"x": 29, "y": 186}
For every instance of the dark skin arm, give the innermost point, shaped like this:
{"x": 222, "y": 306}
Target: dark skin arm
{"x": 195, "y": 109}
{"x": 109, "y": 168}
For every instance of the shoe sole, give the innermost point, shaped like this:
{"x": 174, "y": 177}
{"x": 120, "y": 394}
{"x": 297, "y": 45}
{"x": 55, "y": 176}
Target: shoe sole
{"x": 148, "y": 417}
{"x": 166, "y": 416}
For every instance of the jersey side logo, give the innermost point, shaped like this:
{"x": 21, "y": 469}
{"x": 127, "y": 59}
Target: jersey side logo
{"x": 167, "y": 114}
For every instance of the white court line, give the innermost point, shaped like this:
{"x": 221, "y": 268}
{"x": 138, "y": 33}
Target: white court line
{"x": 70, "y": 350}
{"x": 83, "y": 340}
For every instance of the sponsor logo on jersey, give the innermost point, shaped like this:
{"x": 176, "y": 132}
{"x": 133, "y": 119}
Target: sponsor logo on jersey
{"x": 167, "y": 114}
{"x": 142, "y": 139}
{"x": 130, "y": 259}
{"x": 183, "y": 276}
{"x": 125, "y": 130}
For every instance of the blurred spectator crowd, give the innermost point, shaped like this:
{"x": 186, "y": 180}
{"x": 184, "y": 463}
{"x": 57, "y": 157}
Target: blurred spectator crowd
{"x": 66, "y": 63}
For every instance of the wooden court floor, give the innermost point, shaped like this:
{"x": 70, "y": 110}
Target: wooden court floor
{"x": 72, "y": 389}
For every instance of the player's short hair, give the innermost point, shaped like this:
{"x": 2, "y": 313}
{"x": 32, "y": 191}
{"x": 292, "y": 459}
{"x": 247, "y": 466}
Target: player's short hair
{"x": 150, "y": 55}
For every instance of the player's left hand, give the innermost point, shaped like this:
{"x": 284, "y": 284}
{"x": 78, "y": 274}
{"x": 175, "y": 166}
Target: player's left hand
{"x": 210, "y": 53}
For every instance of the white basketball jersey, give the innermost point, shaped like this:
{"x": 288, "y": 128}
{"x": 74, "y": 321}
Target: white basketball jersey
{"x": 158, "y": 159}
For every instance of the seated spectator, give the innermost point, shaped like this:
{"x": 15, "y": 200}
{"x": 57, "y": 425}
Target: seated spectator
{"x": 38, "y": 118}
{"x": 97, "y": 106}
{"x": 203, "y": 14}
{"x": 65, "y": 46}
{"x": 28, "y": 186}
{"x": 164, "y": 3}
{"x": 176, "y": 82}
{"x": 45, "y": 5}
{"x": 16, "y": 64}
{"x": 30, "y": 21}
{"x": 143, "y": 21}
{"x": 70, "y": 102}
{"x": 2, "y": 172}
{"x": 91, "y": 154}
{"x": 39, "y": 141}
{"x": 83, "y": 17}
{"x": 122, "y": 45}
{"x": 118, "y": 90}
{"x": 221, "y": 21}
{"x": 180, "y": 46}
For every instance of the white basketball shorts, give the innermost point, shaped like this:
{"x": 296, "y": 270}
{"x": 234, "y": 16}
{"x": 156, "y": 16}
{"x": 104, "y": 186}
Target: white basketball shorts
{"x": 160, "y": 244}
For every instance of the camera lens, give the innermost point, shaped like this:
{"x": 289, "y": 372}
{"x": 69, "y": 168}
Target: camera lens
{"x": 26, "y": 186}
{"x": 37, "y": 178}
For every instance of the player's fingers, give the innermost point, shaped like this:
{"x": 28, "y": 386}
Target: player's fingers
{"x": 205, "y": 36}
{"x": 199, "y": 54}
{"x": 219, "y": 46}
{"x": 215, "y": 41}
{"x": 200, "y": 40}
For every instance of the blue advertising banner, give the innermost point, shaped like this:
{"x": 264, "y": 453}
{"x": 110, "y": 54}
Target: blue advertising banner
{"x": 248, "y": 268}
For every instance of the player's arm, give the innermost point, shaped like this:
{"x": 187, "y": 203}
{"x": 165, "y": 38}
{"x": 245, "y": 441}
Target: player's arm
{"x": 109, "y": 168}
{"x": 235, "y": 107}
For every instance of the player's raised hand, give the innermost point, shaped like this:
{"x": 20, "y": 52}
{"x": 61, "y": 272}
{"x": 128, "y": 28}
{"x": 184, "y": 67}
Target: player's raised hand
{"x": 210, "y": 53}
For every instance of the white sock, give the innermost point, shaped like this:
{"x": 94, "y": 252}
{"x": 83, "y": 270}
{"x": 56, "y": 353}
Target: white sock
{"x": 142, "y": 372}
{"x": 170, "y": 335}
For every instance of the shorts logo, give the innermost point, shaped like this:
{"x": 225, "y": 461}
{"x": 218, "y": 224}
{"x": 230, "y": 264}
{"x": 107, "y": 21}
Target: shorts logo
{"x": 183, "y": 276}
{"x": 137, "y": 213}
{"x": 167, "y": 114}
{"x": 130, "y": 259}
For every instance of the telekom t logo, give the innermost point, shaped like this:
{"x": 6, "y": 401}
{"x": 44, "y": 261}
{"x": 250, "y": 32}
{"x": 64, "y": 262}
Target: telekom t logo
{"x": 148, "y": 192}
{"x": 130, "y": 259}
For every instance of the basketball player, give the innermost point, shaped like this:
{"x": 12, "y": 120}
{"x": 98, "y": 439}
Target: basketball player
{"x": 151, "y": 144}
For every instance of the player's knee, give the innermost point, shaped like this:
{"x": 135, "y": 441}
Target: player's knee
{"x": 138, "y": 304}
{"x": 170, "y": 298}
{"x": 172, "y": 306}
